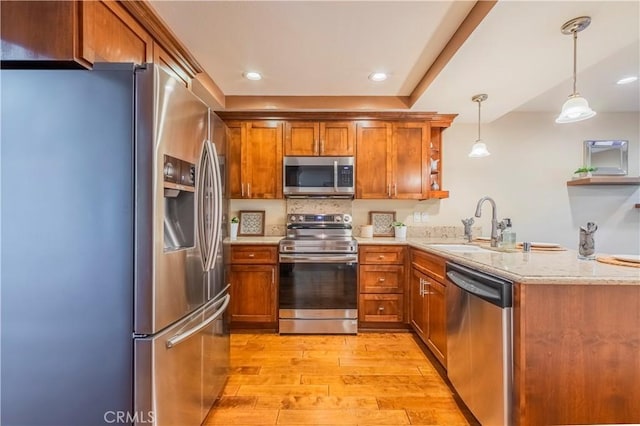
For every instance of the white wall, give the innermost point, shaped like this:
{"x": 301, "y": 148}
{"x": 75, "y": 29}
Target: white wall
{"x": 532, "y": 158}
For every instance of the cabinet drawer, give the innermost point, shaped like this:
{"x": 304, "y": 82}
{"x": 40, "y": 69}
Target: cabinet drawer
{"x": 430, "y": 264}
{"x": 381, "y": 279}
{"x": 377, "y": 255}
{"x": 254, "y": 254}
{"x": 380, "y": 308}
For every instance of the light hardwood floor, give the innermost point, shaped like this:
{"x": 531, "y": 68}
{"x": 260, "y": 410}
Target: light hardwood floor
{"x": 368, "y": 379}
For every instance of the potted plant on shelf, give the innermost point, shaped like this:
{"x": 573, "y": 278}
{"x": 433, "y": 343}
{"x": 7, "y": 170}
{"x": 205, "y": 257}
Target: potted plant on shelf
{"x": 583, "y": 172}
{"x": 400, "y": 230}
{"x": 235, "y": 222}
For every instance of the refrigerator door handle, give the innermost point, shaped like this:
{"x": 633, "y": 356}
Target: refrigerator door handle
{"x": 176, "y": 340}
{"x": 200, "y": 205}
{"x": 217, "y": 205}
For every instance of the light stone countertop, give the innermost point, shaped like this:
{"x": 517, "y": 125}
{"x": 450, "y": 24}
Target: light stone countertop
{"x": 273, "y": 240}
{"x": 536, "y": 267}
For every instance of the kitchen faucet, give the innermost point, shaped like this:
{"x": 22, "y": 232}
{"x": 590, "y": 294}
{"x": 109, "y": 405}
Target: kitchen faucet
{"x": 494, "y": 220}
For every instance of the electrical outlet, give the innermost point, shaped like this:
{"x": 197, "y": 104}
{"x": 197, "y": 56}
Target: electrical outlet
{"x": 417, "y": 217}
{"x": 425, "y": 217}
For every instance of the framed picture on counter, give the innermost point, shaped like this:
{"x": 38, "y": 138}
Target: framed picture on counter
{"x": 251, "y": 223}
{"x": 381, "y": 222}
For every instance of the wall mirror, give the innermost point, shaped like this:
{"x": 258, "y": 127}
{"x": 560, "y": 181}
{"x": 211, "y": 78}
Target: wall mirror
{"x": 609, "y": 157}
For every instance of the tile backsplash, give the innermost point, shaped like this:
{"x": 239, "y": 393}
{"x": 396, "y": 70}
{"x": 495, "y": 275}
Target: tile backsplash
{"x": 276, "y": 214}
{"x": 318, "y": 206}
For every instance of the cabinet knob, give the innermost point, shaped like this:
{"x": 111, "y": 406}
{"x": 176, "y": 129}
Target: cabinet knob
{"x": 381, "y": 280}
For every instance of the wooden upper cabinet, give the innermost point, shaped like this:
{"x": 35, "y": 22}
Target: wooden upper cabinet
{"x": 72, "y": 31}
{"x": 411, "y": 147}
{"x": 374, "y": 160}
{"x": 393, "y": 160}
{"x": 110, "y": 34}
{"x": 255, "y": 159}
{"x": 310, "y": 138}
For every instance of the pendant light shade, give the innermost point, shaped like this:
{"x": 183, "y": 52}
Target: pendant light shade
{"x": 576, "y": 108}
{"x": 479, "y": 149}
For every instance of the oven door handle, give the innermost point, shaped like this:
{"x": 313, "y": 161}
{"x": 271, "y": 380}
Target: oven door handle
{"x": 348, "y": 258}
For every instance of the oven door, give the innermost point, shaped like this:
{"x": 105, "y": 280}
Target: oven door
{"x": 318, "y": 293}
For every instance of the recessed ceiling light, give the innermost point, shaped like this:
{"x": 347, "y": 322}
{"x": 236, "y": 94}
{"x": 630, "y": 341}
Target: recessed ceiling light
{"x": 627, "y": 80}
{"x": 378, "y": 76}
{"x": 252, "y": 75}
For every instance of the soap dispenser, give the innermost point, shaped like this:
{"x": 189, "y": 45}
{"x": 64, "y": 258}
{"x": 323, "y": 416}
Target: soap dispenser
{"x": 508, "y": 236}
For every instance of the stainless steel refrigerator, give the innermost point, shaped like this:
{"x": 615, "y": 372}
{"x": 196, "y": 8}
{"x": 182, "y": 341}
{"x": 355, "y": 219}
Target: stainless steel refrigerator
{"x": 113, "y": 295}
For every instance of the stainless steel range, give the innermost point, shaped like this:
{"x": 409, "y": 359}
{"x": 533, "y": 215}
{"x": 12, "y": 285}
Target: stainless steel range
{"x": 318, "y": 275}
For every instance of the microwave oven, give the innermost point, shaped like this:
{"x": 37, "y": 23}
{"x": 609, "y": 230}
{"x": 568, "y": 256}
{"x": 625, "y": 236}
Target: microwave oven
{"x": 305, "y": 177}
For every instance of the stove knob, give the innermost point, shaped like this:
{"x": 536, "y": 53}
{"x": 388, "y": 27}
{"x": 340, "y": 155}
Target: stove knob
{"x": 292, "y": 218}
{"x": 338, "y": 219}
{"x": 347, "y": 218}
{"x": 301, "y": 218}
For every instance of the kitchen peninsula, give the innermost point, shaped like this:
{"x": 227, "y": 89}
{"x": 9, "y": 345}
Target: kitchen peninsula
{"x": 575, "y": 359}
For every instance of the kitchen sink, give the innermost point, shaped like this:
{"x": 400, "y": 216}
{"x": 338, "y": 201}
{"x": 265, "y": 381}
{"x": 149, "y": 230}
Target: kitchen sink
{"x": 460, "y": 248}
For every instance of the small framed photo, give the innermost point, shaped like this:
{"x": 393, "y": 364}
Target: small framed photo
{"x": 251, "y": 223}
{"x": 382, "y": 223}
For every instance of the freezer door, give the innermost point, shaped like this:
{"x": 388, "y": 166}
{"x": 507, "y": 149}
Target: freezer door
{"x": 180, "y": 372}
{"x": 170, "y": 279}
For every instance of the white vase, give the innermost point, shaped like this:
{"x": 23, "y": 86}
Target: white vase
{"x": 234, "y": 231}
{"x": 400, "y": 232}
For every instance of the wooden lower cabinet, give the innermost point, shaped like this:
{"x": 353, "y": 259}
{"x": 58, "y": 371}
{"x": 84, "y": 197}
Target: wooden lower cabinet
{"x": 253, "y": 275}
{"x": 437, "y": 334}
{"x": 427, "y": 302}
{"x": 418, "y": 304}
{"x": 576, "y": 354}
{"x": 381, "y": 283}
{"x": 380, "y": 308}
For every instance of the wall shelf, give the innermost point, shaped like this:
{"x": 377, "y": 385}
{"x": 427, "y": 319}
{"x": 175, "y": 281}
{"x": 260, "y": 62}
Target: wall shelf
{"x": 605, "y": 180}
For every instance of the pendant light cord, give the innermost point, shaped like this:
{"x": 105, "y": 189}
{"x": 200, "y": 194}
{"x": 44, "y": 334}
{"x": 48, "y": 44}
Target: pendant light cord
{"x": 575, "y": 59}
{"x": 479, "y": 102}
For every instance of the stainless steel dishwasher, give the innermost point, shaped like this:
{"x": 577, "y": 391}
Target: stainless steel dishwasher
{"x": 479, "y": 342}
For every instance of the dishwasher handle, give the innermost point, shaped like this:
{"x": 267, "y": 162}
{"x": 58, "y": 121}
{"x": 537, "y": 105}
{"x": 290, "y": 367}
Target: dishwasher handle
{"x": 492, "y": 289}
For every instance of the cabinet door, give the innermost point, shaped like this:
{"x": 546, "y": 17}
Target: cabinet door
{"x": 337, "y": 138}
{"x": 253, "y": 293}
{"x": 436, "y": 312}
{"x": 110, "y": 34}
{"x": 301, "y": 138}
{"x": 411, "y": 147}
{"x": 418, "y": 309}
{"x": 261, "y": 161}
{"x": 234, "y": 161}
{"x": 374, "y": 160}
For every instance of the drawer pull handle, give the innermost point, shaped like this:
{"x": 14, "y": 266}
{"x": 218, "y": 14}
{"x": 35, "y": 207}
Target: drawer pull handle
{"x": 381, "y": 308}
{"x": 252, "y": 255}
{"x": 381, "y": 256}
{"x": 381, "y": 280}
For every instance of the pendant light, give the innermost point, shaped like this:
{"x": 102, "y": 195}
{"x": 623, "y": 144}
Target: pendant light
{"x": 479, "y": 149}
{"x": 576, "y": 108}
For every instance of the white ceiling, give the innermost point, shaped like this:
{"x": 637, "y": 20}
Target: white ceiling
{"x": 517, "y": 54}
